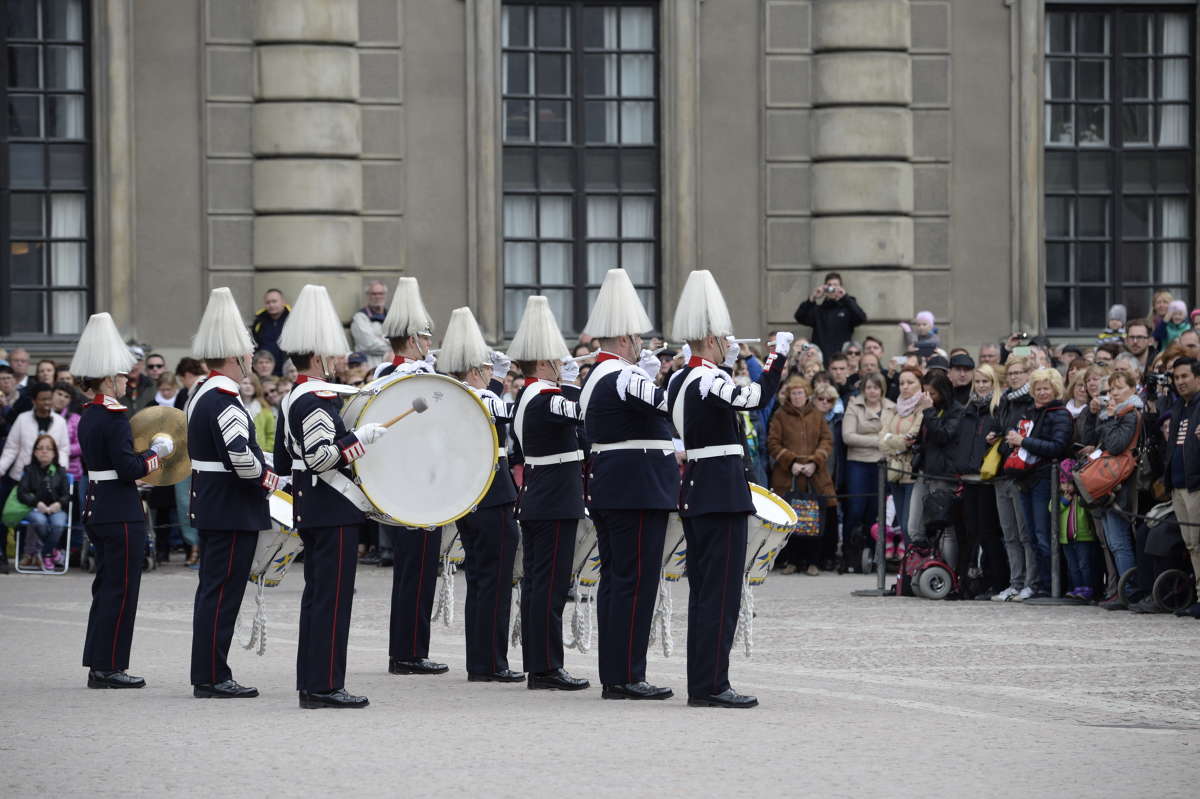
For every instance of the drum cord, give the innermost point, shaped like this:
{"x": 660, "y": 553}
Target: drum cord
{"x": 445, "y": 600}
{"x": 660, "y": 625}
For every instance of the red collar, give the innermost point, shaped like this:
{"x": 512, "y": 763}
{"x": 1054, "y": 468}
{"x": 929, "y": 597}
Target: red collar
{"x": 97, "y": 400}
{"x": 603, "y": 356}
{"x": 214, "y": 373}
{"x": 696, "y": 360}
{"x": 304, "y": 379}
{"x": 398, "y": 360}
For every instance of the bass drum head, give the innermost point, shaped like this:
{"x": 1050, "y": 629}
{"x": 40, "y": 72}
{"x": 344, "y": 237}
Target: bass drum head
{"x": 432, "y": 467}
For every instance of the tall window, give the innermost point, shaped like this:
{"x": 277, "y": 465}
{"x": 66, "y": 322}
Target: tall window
{"x": 581, "y": 162}
{"x": 1119, "y": 170}
{"x": 44, "y": 197}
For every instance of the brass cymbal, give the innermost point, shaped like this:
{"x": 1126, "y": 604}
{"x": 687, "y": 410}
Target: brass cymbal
{"x": 172, "y": 422}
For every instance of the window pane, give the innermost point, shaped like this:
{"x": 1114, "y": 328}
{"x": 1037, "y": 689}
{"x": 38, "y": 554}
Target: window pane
{"x": 22, "y": 19}
{"x": 638, "y": 261}
{"x": 1058, "y": 217}
{"x": 25, "y": 166}
{"x": 64, "y": 19}
{"x": 1173, "y": 211}
{"x": 556, "y": 265}
{"x": 639, "y": 170}
{"x": 514, "y": 26}
{"x": 68, "y": 165}
{"x": 1173, "y": 126}
{"x": 1135, "y": 32}
{"x": 600, "y": 28}
{"x": 1060, "y": 124}
{"x": 637, "y": 76}
{"x": 23, "y": 66}
{"x": 24, "y": 116}
{"x": 637, "y": 218}
{"x": 1175, "y": 34}
{"x": 555, "y": 217}
{"x": 1058, "y": 307}
{"x": 26, "y": 216}
{"x": 1173, "y": 263}
{"x": 1137, "y": 170}
{"x": 602, "y": 218}
{"x": 560, "y": 304}
{"x": 1135, "y": 217}
{"x": 518, "y": 169}
{"x": 1173, "y": 79}
{"x": 601, "y": 258}
{"x": 1058, "y": 267}
{"x": 1136, "y": 301}
{"x": 601, "y": 121}
{"x": 519, "y": 217}
{"x": 554, "y": 124}
{"x": 647, "y": 298}
{"x": 516, "y": 73}
{"x": 28, "y": 311}
{"x": 551, "y": 28}
{"x": 1093, "y": 125}
{"x": 1091, "y": 217}
{"x": 1091, "y": 263}
{"x": 64, "y": 67}
{"x": 1059, "y": 171}
{"x": 553, "y": 74}
{"x": 67, "y": 264}
{"x": 520, "y": 263}
{"x": 637, "y": 29}
{"x": 1058, "y": 33}
{"x": 1094, "y": 174}
{"x": 601, "y": 170}
{"x": 514, "y": 306}
{"x": 64, "y": 116}
{"x": 637, "y": 123}
{"x": 600, "y": 75}
{"x": 1135, "y": 78}
{"x": 69, "y": 307}
{"x": 555, "y": 170}
{"x": 1093, "y": 80}
{"x": 67, "y": 216}
{"x": 516, "y": 120}
{"x": 1135, "y": 262}
{"x": 27, "y": 263}
{"x": 1092, "y": 307}
{"x": 1060, "y": 84}
{"x": 1091, "y": 33}
{"x": 1135, "y": 124}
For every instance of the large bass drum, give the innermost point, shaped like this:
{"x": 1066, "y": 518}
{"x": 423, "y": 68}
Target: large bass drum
{"x": 433, "y": 466}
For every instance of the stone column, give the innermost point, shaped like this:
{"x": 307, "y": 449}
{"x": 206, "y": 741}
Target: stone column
{"x": 862, "y": 179}
{"x": 308, "y": 192}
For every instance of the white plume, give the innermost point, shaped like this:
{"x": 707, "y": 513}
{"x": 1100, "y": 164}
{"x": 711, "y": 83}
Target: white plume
{"x": 538, "y": 337}
{"x": 618, "y": 310}
{"x": 702, "y": 310}
{"x": 101, "y": 352}
{"x": 406, "y": 315}
{"x": 222, "y": 333}
{"x": 463, "y": 347}
{"x": 313, "y": 326}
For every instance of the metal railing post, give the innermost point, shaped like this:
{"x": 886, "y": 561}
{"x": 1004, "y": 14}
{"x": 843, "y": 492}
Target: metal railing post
{"x": 881, "y": 543}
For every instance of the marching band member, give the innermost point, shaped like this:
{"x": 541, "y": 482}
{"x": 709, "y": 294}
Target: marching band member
{"x": 112, "y": 511}
{"x": 230, "y": 485}
{"x": 313, "y": 444}
{"x": 715, "y": 500}
{"x": 409, "y": 329}
{"x": 632, "y": 484}
{"x": 489, "y": 534}
{"x": 550, "y": 503}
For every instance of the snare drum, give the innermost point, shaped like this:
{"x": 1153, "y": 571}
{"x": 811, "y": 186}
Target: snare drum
{"x": 768, "y": 530}
{"x": 674, "y": 550}
{"x": 585, "y": 566}
{"x": 452, "y": 546}
{"x": 432, "y": 467}
{"x": 277, "y": 547}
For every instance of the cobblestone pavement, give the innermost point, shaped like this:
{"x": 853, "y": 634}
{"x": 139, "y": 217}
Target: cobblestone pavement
{"x": 860, "y": 697}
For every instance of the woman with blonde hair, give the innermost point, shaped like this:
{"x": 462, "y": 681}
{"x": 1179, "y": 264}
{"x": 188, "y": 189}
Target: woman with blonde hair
{"x": 1162, "y": 301}
{"x": 981, "y": 517}
{"x": 1018, "y": 545}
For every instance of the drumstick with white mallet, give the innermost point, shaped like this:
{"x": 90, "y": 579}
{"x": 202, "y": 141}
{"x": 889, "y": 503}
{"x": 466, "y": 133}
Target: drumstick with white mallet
{"x": 419, "y": 406}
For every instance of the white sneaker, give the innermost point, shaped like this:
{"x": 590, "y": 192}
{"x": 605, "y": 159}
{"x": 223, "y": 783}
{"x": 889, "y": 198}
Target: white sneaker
{"x": 1005, "y": 595}
{"x": 1023, "y": 594}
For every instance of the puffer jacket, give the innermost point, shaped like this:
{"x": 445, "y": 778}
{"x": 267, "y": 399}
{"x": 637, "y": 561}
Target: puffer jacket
{"x": 977, "y": 421}
{"x": 47, "y": 485}
{"x": 861, "y": 428}
{"x": 896, "y": 447}
{"x": 1049, "y": 438}
{"x": 934, "y": 451}
{"x": 1010, "y": 411}
{"x": 800, "y": 436}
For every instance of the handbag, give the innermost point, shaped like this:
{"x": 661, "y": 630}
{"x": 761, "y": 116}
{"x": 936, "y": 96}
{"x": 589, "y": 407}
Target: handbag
{"x": 14, "y": 511}
{"x": 1020, "y": 461}
{"x": 808, "y": 511}
{"x": 991, "y": 462}
{"x": 1099, "y": 477}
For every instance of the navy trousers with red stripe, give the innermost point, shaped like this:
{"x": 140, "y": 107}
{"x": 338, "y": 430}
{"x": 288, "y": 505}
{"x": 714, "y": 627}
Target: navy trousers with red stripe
{"x": 226, "y": 557}
{"x": 490, "y": 539}
{"x": 716, "y": 560}
{"x": 549, "y": 551}
{"x": 120, "y": 549}
{"x": 330, "y": 561}
{"x": 415, "y": 555}
{"x": 630, "y": 543}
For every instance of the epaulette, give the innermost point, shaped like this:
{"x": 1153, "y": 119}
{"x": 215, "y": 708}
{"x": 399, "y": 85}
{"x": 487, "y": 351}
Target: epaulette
{"x": 228, "y": 391}
{"x": 325, "y": 394}
{"x": 116, "y": 407}
{"x": 550, "y": 390}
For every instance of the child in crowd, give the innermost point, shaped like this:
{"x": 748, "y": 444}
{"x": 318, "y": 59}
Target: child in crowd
{"x": 1075, "y": 534}
{"x": 166, "y": 387}
{"x": 921, "y": 335}
{"x": 1174, "y": 325}
{"x": 45, "y": 490}
{"x": 1115, "y": 330}
{"x": 1196, "y": 319}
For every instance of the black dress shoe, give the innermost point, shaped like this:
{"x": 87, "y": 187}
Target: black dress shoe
{"x": 505, "y": 675}
{"x": 727, "y": 698}
{"x": 418, "y": 666}
{"x": 385, "y": 561}
{"x": 557, "y": 680}
{"x": 228, "y": 689}
{"x": 314, "y": 700}
{"x": 636, "y": 690}
{"x": 113, "y": 679}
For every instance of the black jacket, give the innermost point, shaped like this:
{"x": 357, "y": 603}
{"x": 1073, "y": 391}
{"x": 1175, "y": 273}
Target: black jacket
{"x": 1049, "y": 438}
{"x": 1112, "y": 435}
{"x": 935, "y": 447}
{"x": 971, "y": 445}
{"x": 266, "y": 335}
{"x": 832, "y": 322}
{"x": 47, "y": 485}
{"x": 1187, "y": 414}
{"x": 1008, "y": 413}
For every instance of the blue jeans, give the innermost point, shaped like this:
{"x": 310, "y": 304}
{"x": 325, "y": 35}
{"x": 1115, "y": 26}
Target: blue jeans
{"x": 901, "y": 494}
{"x": 1080, "y": 560}
{"x": 183, "y": 506}
{"x": 1119, "y": 537}
{"x": 1036, "y": 501}
{"x": 861, "y": 479}
{"x": 49, "y": 527}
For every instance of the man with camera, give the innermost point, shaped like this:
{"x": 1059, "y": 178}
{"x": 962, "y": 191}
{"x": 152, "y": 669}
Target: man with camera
{"x": 1183, "y": 463}
{"x": 831, "y": 313}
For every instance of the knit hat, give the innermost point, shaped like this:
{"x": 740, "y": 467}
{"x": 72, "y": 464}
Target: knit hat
{"x": 1176, "y": 305}
{"x": 1118, "y": 312}
{"x": 925, "y": 317}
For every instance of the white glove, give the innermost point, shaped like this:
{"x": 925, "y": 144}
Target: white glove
{"x": 731, "y": 352}
{"x": 570, "y": 371}
{"x": 650, "y": 364}
{"x": 783, "y": 343}
{"x": 162, "y": 445}
{"x": 501, "y": 364}
{"x": 369, "y": 433}
{"x": 431, "y": 358}
{"x": 686, "y": 352}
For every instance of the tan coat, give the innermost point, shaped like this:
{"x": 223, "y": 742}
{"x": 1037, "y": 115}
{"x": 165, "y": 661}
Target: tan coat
{"x": 800, "y": 436}
{"x": 895, "y": 445}
{"x": 861, "y": 429}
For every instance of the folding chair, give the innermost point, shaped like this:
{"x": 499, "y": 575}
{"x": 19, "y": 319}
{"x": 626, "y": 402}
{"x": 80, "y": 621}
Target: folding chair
{"x": 24, "y": 526}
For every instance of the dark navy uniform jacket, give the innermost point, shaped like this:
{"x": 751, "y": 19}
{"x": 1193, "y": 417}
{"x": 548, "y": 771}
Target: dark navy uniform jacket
{"x": 545, "y": 425}
{"x": 704, "y": 403}
{"x": 622, "y": 409}
{"x": 106, "y": 445}
{"x": 221, "y": 436}
{"x": 314, "y": 423}
{"x": 503, "y": 490}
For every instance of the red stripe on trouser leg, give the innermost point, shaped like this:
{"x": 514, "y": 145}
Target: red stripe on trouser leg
{"x": 724, "y": 583}
{"x": 337, "y": 600}
{"x": 124, "y": 596}
{"x": 637, "y": 588}
{"x": 217, "y": 613}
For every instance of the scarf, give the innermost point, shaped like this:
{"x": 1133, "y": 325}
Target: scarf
{"x": 374, "y": 317}
{"x": 168, "y": 402}
{"x": 905, "y": 407}
{"x": 979, "y": 399}
{"x": 1134, "y": 402}
{"x": 1017, "y": 393}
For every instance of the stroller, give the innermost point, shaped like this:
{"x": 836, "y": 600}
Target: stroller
{"x": 924, "y": 572}
{"x": 1164, "y": 570}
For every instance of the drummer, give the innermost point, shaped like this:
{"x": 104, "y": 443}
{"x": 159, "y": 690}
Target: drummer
{"x": 489, "y": 534}
{"x": 312, "y": 443}
{"x": 409, "y": 330}
{"x": 715, "y": 500}
{"x": 550, "y": 503}
{"x": 112, "y": 510}
{"x": 230, "y": 486}
{"x": 632, "y": 484}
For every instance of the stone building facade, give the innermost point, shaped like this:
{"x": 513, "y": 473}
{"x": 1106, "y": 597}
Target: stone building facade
{"x": 495, "y": 148}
